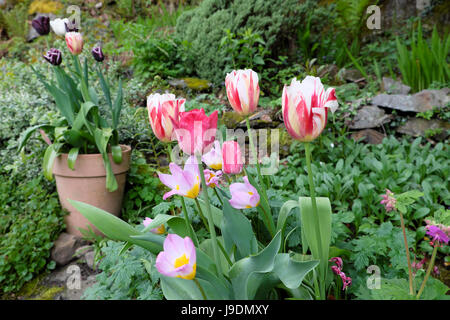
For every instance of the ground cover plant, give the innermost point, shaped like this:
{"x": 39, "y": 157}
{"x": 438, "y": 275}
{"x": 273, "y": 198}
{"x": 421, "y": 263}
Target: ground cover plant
{"x": 355, "y": 213}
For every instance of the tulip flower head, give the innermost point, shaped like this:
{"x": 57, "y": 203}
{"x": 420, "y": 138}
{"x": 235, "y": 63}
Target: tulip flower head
{"x": 244, "y": 195}
{"x": 178, "y": 258}
{"x": 74, "y": 41}
{"x": 97, "y": 53}
{"x": 213, "y": 158}
{"x": 195, "y": 131}
{"x": 184, "y": 182}
{"x": 163, "y": 109}
{"x": 243, "y": 90}
{"x": 159, "y": 230}
{"x": 59, "y": 26}
{"x": 54, "y": 56}
{"x": 305, "y": 108}
{"x": 42, "y": 25}
{"x": 232, "y": 162}
{"x": 212, "y": 178}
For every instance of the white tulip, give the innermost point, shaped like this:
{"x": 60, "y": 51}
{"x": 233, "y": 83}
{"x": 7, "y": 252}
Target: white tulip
{"x": 59, "y": 26}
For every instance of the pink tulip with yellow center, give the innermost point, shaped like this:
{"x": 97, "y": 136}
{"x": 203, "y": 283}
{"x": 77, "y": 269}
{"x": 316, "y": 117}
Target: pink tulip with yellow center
{"x": 213, "y": 158}
{"x": 305, "y": 108}
{"x": 159, "y": 230}
{"x": 243, "y": 90}
{"x": 184, "y": 182}
{"x": 178, "y": 258}
{"x": 162, "y": 108}
{"x": 232, "y": 162}
{"x": 212, "y": 178}
{"x": 243, "y": 195}
{"x": 74, "y": 41}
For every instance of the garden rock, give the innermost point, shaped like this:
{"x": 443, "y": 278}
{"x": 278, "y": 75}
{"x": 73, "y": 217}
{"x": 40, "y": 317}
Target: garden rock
{"x": 82, "y": 251}
{"x": 420, "y": 102}
{"x": 89, "y": 257}
{"x": 395, "y": 87}
{"x": 65, "y": 248}
{"x": 368, "y": 136}
{"x": 369, "y": 117}
{"x": 352, "y": 75}
{"x": 421, "y": 127}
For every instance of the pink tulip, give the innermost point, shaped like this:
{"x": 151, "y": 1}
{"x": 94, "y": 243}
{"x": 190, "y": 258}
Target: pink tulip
{"x": 159, "y": 230}
{"x": 232, "y": 162}
{"x": 195, "y": 131}
{"x": 74, "y": 41}
{"x": 213, "y": 158}
{"x": 212, "y": 178}
{"x": 162, "y": 108}
{"x": 243, "y": 90}
{"x": 243, "y": 195}
{"x": 184, "y": 182}
{"x": 305, "y": 108}
{"x": 178, "y": 258}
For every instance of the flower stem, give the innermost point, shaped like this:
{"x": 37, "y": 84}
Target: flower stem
{"x": 212, "y": 229}
{"x": 411, "y": 288}
{"x": 270, "y": 223}
{"x": 200, "y": 212}
{"x": 217, "y": 194}
{"x": 427, "y": 275}
{"x": 186, "y": 219}
{"x": 200, "y": 288}
{"x": 323, "y": 260}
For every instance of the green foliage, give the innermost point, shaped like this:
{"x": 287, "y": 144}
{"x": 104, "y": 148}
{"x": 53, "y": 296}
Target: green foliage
{"x": 142, "y": 192}
{"x": 423, "y": 63}
{"x": 126, "y": 276}
{"x": 204, "y": 27}
{"x": 15, "y": 21}
{"x": 30, "y": 220}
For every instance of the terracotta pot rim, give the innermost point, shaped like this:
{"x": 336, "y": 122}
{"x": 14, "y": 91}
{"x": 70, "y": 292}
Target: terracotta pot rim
{"x": 125, "y": 149}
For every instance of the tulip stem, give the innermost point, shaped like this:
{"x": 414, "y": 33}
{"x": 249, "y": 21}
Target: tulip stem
{"x": 212, "y": 229}
{"x": 408, "y": 259}
{"x": 200, "y": 288}
{"x": 270, "y": 223}
{"x": 323, "y": 260}
{"x": 427, "y": 275}
{"x": 200, "y": 212}
{"x": 186, "y": 219}
{"x": 217, "y": 194}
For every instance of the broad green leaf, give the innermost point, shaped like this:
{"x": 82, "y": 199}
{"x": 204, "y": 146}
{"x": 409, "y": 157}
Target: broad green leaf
{"x": 291, "y": 272}
{"x": 285, "y": 211}
{"x": 113, "y": 227}
{"x": 207, "y": 247}
{"x": 243, "y": 270}
{"x": 27, "y": 134}
{"x": 50, "y": 155}
{"x": 102, "y": 137}
{"x": 72, "y": 157}
{"x": 180, "y": 289}
{"x": 116, "y": 152}
{"x": 309, "y": 228}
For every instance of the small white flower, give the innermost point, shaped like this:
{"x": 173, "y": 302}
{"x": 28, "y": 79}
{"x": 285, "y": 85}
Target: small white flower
{"x": 59, "y": 26}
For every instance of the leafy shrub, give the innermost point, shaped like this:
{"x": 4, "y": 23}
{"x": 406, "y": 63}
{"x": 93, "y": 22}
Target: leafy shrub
{"x": 15, "y": 21}
{"x": 204, "y": 27}
{"x": 30, "y": 220}
{"x": 130, "y": 275}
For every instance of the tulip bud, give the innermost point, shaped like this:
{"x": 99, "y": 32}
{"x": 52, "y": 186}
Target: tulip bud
{"x": 305, "y": 108}
{"x": 97, "y": 53}
{"x": 243, "y": 91}
{"x": 74, "y": 41}
{"x": 231, "y": 158}
{"x": 42, "y": 25}
{"x": 54, "y": 56}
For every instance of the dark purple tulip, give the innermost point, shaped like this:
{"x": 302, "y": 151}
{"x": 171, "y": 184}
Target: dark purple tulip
{"x": 97, "y": 53}
{"x": 42, "y": 25}
{"x": 54, "y": 56}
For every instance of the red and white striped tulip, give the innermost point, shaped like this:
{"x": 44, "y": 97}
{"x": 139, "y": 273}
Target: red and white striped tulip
{"x": 305, "y": 108}
{"x": 232, "y": 162}
{"x": 74, "y": 41}
{"x": 162, "y": 108}
{"x": 243, "y": 90}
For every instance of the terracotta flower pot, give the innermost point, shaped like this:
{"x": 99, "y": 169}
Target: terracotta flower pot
{"x": 87, "y": 183}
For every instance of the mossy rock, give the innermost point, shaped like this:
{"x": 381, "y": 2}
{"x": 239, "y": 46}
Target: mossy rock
{"x": 231, "y": 119}
{"x": 197, "y": 84}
